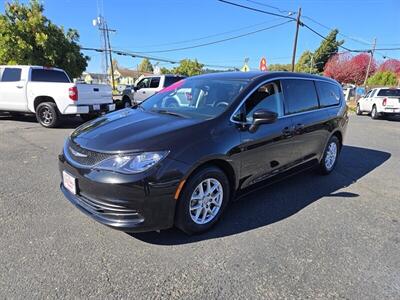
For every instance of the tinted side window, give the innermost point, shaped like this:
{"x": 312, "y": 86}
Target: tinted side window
{"x": 300, "y": 95}
{"x": 155, "y": 82}
{"x": 44, "y": 75}
{"x": 268, "y": 97}
{"x": 171, "y": 80}
{"x": 11, "y": 74}
{"x": 329, "y": 94}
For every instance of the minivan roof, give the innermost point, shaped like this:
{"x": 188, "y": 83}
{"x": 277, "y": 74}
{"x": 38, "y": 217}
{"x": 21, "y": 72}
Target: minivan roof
{"x": 252, "y": 75}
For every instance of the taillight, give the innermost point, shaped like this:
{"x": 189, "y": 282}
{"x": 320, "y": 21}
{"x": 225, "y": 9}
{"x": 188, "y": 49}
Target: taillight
{"x": 384, "y": 102}
{"x": 73, "y": 93}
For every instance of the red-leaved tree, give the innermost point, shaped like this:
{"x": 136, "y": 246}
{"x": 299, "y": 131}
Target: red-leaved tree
{"x": 391, "y": 65}
{"x": 346, "y": 68}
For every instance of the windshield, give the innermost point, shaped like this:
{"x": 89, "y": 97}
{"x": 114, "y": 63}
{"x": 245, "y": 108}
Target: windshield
{"x": 389, "y": 92}
{"x": 195, "y": 97}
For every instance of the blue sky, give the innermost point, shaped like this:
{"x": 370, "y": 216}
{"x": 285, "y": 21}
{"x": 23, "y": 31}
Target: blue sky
{"x": 141, "y": 24}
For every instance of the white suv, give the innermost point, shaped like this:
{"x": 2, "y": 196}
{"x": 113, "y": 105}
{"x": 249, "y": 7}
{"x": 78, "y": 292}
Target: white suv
{"x": 380, "y": 102}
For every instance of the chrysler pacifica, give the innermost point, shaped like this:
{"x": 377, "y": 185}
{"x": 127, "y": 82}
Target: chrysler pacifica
{"x": 179, "y": 157}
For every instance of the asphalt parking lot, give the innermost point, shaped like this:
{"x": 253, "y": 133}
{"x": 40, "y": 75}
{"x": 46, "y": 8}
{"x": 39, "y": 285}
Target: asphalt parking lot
{"x": 310, "y": 236}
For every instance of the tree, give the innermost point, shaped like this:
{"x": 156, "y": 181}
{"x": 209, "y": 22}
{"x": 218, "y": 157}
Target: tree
{"x": 358, "y": 67}
{"x": 279, "y": 67}
{"x": 165, "y": 70}
{"x": 27, "y": 37}
{"x": 189, "y": 67}
{"x": 349, "y": 69}
{"x": 306, "y": 63}
{"x": 338, "y": 68}
{"x": 145, "y": 66}
{"x": 383, "y": 78}
{"x": 329, "y": 47}
{"x": 392, "y": 65}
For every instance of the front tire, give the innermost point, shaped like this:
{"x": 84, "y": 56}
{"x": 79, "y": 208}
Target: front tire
{"x": 330, "y": 157}
{"x": 203, "y": 200}
{"x": 47, "y": 115}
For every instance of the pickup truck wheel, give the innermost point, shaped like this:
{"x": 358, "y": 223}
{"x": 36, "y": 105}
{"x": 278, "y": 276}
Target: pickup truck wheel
{"x": 126, "y": 104}
{"x": 374, "y": 113}
{"x": 47, "y": 115}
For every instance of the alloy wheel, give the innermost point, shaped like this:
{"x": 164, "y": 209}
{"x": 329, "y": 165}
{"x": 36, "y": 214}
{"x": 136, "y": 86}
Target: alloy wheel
{"x": 206, "y": 201}
{"x": 46, "y": 115}
{"x": 331, "y": 154}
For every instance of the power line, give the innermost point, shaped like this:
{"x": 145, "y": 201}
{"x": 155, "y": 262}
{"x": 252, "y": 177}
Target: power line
{"x": 218, "y": 41}
{"x": 134, "y": 54}
{"x": 257, "y": 10}
{"x": 339, "y": 33}
{"x": 207, "y": 36}
{"x": 273, "y": 7}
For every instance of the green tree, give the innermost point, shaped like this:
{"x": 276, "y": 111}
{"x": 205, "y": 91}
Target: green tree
{"x": 328, "y": 48}
{"x": 189, "y": 67}
{"x": 165, "y": 70}
{"x": 306, "y": 63}
{"x": 279, "y": 67}
{"x": 383, "y": 78}
{"x": 28, "y": 37}
{"x": 145, "y": 66}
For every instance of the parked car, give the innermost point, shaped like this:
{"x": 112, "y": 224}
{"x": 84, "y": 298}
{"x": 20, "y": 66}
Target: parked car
{"x": 149, "y": 85}
{"x": 380, "y": 102}
{"x": 156, "y": 165}
{"x": 50, "y": 94}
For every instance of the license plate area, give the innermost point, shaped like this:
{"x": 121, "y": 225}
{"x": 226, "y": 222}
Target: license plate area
{"x": 96, "y": 107}
{"x": 69, "y": 182}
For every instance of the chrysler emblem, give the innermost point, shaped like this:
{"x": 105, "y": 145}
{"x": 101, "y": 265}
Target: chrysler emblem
{"x": 76, "y": 153}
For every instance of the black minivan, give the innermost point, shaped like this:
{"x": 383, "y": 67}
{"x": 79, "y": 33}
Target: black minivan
{"x": 179, "y": 157}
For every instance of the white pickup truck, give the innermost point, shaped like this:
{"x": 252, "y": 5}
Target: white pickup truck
{"x": 380, "y": 102}
{"x": 50, "y": 94}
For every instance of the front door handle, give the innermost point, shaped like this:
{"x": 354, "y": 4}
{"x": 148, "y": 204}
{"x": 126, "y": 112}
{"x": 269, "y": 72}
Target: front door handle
{"x": 20, "y": 86}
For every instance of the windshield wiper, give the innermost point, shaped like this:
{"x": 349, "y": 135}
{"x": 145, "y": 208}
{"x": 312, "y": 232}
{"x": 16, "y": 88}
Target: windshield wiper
{"x": 167, "y": 112}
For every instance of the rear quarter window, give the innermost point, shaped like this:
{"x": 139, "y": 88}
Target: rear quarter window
{"x": 171, "y": 80}
{"x": 329, "y": 94}
{"x": 300, "y": 95}
{"x": 43, "y": 75}
{"x": 11, "y": 74}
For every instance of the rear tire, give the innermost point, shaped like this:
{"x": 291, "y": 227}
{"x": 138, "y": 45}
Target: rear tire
{"x": 374, "y": 113}
{"x": 48, "y": 115}
{"x": 330, "y": 157}
{"x": 202, "y": 200}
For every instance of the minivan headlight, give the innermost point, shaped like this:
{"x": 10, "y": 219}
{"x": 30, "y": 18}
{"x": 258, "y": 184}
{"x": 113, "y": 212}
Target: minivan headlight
{"x": 131, "y": 163}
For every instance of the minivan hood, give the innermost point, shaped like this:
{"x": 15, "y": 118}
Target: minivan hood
{"x": 132, "y": 130}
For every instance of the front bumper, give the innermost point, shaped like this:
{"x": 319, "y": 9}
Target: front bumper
{"x": 131, "y": 203}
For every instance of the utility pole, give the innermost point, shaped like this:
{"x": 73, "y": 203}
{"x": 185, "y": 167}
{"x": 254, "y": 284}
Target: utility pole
{"x": 295, "y": 38}
{"x": 103, "y": 27}
{"x": 370, "y": 61}
{"x": 110, "y": 53}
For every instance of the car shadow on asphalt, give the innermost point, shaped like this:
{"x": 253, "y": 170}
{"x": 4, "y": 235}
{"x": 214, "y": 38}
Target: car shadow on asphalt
{"x": 68, "y": 123}
{"x": 281, "y": 200}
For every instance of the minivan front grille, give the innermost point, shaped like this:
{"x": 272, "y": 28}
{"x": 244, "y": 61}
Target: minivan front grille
{"x": 82, "y": 156}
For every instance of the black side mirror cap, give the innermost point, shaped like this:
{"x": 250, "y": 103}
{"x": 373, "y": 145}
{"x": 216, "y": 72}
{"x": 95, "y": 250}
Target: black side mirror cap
{"x": 262, "y": 116}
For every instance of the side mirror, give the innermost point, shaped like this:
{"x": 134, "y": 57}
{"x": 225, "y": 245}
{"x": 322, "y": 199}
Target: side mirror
{"x": 135, "y": 88}
{"x": 262, "y": 116}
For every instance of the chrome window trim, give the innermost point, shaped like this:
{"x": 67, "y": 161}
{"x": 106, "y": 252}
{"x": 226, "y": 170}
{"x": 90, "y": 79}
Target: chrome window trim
{"x": 289, "y": 115}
